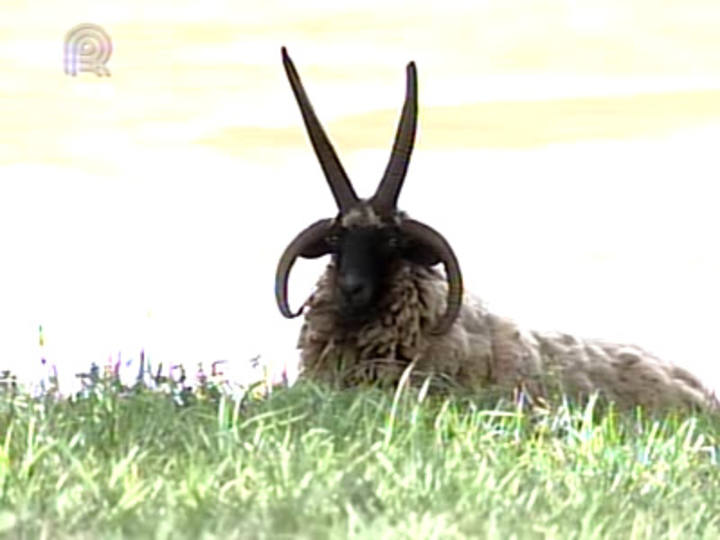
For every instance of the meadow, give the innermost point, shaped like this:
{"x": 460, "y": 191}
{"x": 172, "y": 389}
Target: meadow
{"x": 310, "y": 461}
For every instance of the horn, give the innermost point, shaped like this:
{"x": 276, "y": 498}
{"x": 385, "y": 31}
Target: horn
{"x": 433, "y": 239}
{"x": 310, "y": 235}
{"x": 337, "y": 178}
{"x": 386, "y": 196}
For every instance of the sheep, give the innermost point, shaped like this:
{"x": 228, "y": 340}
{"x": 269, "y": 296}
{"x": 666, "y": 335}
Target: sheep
{"x": 382, "y": 305}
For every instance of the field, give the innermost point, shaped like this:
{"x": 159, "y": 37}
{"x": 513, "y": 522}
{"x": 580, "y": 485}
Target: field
{"x": 314, "y": 462}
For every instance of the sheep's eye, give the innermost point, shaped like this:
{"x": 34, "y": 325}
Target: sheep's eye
{"x": 332, "y": 240}
{"x": 392, "y": 242}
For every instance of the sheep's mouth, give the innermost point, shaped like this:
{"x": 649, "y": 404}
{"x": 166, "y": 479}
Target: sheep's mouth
{"x": 356, "y": 309}
{"x": 354, "y": 315}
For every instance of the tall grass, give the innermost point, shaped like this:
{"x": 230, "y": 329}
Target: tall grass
{"x": 313, "y": 462}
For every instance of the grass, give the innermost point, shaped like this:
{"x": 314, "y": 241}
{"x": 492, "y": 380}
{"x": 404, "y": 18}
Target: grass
{"x": 313, "y": 462}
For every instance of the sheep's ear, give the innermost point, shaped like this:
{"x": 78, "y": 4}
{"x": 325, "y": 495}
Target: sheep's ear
{"x": 316, "y": 249}
{"x": 420, "y": 253}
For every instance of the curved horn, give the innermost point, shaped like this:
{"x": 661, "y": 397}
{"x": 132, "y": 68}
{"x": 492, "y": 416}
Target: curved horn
{"x": 337, "y": 178}
{"x": 445, "y": 254}
{"x": 311, "y": 234}
{"x": 386, "y": 196}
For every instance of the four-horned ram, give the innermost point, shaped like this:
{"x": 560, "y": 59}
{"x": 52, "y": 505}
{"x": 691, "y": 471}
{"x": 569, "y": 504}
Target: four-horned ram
{"x": 381, "y": 305}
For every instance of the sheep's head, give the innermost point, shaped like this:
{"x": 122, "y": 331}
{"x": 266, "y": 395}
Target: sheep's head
{"x": 368, "y": 238}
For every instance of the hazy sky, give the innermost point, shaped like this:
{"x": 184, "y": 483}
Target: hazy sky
{"x": 568, "y": 151}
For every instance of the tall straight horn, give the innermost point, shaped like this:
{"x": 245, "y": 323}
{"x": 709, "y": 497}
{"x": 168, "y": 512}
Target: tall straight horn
{"x": 385, "y": 199}
{"x": 337, "y": 178}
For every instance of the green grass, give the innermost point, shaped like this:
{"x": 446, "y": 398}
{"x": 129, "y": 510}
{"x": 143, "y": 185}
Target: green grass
{"x": 312, "y": 462}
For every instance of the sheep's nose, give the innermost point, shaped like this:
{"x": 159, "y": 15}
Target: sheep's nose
{"x": 354, "y": 289}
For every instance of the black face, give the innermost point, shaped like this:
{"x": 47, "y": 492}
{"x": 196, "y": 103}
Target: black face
{"x": 364, "y": 259}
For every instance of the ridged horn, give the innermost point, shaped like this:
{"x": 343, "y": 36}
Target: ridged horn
{"x": 385, "y": 199}
{"x": 430, "y": 237}
{"x": 337, "y": 178}
{"x": 311, "y": 234}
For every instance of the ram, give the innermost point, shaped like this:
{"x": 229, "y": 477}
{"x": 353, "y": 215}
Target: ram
{"x": 382, "y": 306}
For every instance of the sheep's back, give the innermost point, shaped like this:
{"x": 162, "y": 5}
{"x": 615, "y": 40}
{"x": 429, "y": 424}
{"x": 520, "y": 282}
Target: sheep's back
{"x": 626, "y": 374}
{"x": 481, "y": 349}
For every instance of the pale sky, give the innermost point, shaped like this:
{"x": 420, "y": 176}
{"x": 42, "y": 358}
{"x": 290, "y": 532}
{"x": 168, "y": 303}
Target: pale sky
{"x": 567, "y": 150}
